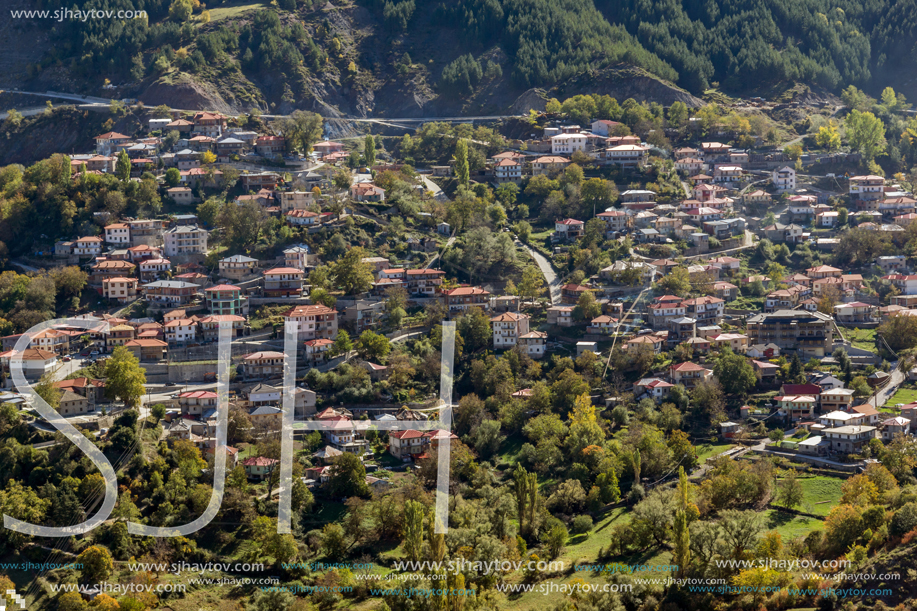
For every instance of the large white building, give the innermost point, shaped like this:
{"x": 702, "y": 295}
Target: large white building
{"x": 784, "y": 178}
{"x": 508, "y": 327}
{"x": 626, "y": 155}
{"x": 185, "y": 240}
{"x": 568, "y": 143}
{"x": 867, "y": 188}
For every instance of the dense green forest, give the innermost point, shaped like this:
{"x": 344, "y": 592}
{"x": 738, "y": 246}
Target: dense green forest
{"x": 739, "y": 44}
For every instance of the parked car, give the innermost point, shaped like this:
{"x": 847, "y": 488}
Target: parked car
{"x": 67, "y": 359}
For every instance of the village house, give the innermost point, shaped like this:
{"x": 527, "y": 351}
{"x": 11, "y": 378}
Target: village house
{"x": 567, "y": 230}
{"x": 299, "y": 257}
{"x": 180, "y": 330}
{"x": 170, "y": 292}
{"x": 264, "y": 364}
{"x": 314, "y": 321}
{"x": 905, "y": 283}
{"x": 892, "y": 263}
{"x": 689, "y": 165}
{"x": 72, "y": 404}
{"x": 209, "y": 326}
{"x": 705, "y": 310}
{"x": 259, "y": 468}
{"x": 868, "y": 188}
{"x": 463, "y": 298}
{"x": 90, "y": 246}
{"x": 317, "y": 349}
{"x": 615, "y": 220}
{"x": 849, "y": 439}
{"x": 119, "y": 335}
{"x": 757, "y": 197}
{"x": 93, "y": 390}
{"x": 118, "y": 234}
{"x": 567, "y": 144}
{"x": 603, "y": 325}
{"x": 367, "y": 192}
{"x": 51, "y": 340}
{"x": 507, "y": 328}
{"x": 627, "y": 155}
{"x": 561, "y": 316}
{"x": 811, "y": 334}
{"x": 855, "y": 312}
{"x": 283, "y": 283}
{"x": 260, "y": 180}
{"x": 110, "y": 142}
{"x": 153, "y": 269}
{"x": 423, "y": 282}
{"x": 226, "y": 299}
{"x": 109, "y": 268}
{"x": 784, "y": 179}
{"x": 196, "y": 403}
{"x": 549, "y": 165}
{"x": 655, "y": 388}
{"x": 796, "y": 407}
{"x": 689, "y": 374}
{"x": 652, "y": 342}
{"x": 765, "y": 372}
{"x": 209, "y": 124}
{"x": 146, "y": 349}
{"x": 120, "y": 289}
{"x": 303, "y": 218}
{"x": 534, "y": 343}
{"x": 726, "y": 291}
{"x": 406, "y": 444}
{"x": 237, "y": 266}
{"x": 835, "y": 399}
{"x": 508, "y": 170}
{"x": 185, "y": 240}
{"x": 327, "y": 147}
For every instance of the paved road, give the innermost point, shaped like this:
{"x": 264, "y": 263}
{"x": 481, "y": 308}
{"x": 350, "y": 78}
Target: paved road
{"x": 433, "y": 188}
{"x": 65, "y": 369}
{"x": 24, "y": 266}
{"x": 884, "y": 395}
{"x": 86, "y": 99}
{"x": 435, "y": 258}
{"x": 550, "y": 276}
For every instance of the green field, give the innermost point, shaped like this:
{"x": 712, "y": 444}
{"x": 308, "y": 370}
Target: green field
{"x": 861, "y": 338}
{"x": 233, "y": 10}
{"x": 820, "y": 494}
{"x": 903, "y": 395}
{"x": 789, "y": 525}
{"x": 709, "y": 450}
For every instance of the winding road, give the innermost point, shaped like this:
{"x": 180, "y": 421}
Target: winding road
{"x": 547, "y": 270}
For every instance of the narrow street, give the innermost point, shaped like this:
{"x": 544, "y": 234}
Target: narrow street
{"x": 547, "y": 270}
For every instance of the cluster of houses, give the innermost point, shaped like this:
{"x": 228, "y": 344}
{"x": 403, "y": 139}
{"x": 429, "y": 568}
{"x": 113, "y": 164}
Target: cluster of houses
{"x": 709, "y": 213}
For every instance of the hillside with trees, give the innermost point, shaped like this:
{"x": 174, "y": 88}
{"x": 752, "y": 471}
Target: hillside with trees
{"x": 397, "y": 58}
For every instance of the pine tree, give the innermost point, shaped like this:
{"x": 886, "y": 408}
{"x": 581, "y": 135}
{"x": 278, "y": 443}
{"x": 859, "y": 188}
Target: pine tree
{"x": 123, "y": 167}
{"x": 413, "y": 529}
{"x": 527, "y": 499}
{"x": 682, "y": 537}
{"x": 795, "y": 369}
{"x": 461, "y": 162}
{"x": 456, "y": 587}
{"x": 369, "y": 151}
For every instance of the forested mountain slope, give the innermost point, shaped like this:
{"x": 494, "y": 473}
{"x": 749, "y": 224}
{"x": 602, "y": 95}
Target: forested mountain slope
{"x": 443, "y": 56}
